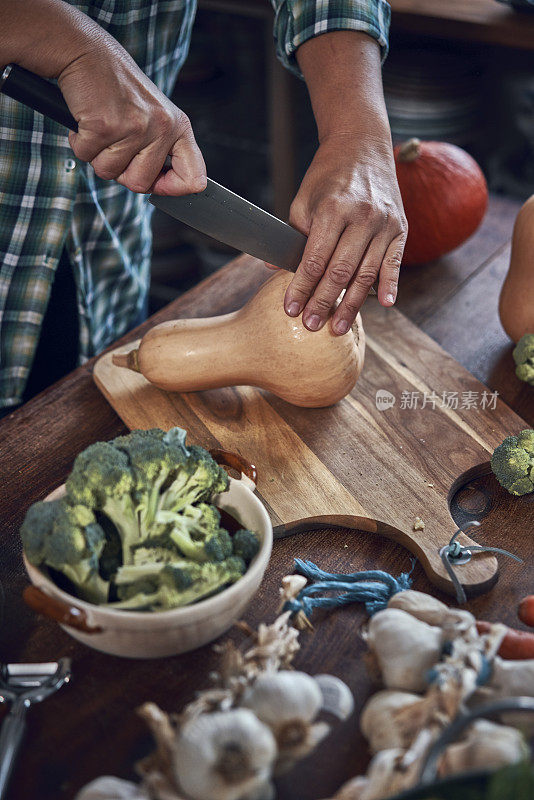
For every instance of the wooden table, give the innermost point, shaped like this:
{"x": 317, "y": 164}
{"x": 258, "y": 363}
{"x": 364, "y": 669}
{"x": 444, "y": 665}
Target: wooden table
{"x": 90, "y": 728}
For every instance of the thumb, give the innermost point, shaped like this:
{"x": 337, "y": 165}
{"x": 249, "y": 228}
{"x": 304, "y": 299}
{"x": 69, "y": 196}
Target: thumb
{"x": 188, "y": 169}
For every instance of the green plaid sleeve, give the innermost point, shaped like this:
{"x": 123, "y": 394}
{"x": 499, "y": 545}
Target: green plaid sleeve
{"x": 296, "y": 21}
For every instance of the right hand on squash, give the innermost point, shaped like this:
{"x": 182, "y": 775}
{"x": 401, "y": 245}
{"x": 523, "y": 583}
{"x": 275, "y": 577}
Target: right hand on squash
{"x": 349, "y": 206}
{"x": 126, "y": 126}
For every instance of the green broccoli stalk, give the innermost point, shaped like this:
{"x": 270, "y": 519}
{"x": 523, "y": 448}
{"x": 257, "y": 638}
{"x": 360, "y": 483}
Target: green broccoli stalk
{"x": 101, "y": 479}
{"x": 524, "y": 358}
{"x": 215, "y": 547}
{"x": 174, "y": 586}
{"x": 246, "y": 545}
{"x": 513, "y": 463}
{"x": 197, "y": 534}
{"x": 68, "y": 539}
{"x": 155, "y": 460}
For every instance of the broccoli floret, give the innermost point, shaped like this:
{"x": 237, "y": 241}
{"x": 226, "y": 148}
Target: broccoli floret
{"x": 102, "y": 479}
{"x": 172, "y": 591}
{"x": 196, "y": 532}
{"x": 524, "y": 358}
{"x": 197, "y": 479}
{"x": 154, "y": 459}
{"x": 245, "y": 544}
{"x": 215, "y": 547}
{"x": 68, "y": 539}
{"x": 513, "y": 463}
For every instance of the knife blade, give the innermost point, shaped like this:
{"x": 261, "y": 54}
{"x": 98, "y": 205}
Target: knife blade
{"x": 231, "y": 219}
{"x": 217, "y": 211}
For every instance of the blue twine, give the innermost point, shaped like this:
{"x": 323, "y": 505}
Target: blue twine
{"x": 485, "y": 671}
{"x": 374, "y": 588}
{"x": 433, "y": 675}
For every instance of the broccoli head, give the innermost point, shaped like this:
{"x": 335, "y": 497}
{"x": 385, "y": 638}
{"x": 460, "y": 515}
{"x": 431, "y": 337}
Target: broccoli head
{"x": 216, "y": 546}
{"x": 140, "y": 501}
{"x": 68, "y": 539}
{"x": 513, "y": 463}
{"x": 524, "y": 358}
{"x": 245, "y": 544}
{"x": 175, "y": 585}
{"x": 102, "y": 480}
{"x": 195, "y": 481}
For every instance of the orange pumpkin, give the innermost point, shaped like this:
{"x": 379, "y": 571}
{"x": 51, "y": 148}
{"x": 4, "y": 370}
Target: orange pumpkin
{"x": 445, "y": 197}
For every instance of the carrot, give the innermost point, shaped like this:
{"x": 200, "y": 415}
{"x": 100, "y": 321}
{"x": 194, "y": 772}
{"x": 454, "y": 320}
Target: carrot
{"x": 525, "y": 611}
{"x": 516, "y": 645}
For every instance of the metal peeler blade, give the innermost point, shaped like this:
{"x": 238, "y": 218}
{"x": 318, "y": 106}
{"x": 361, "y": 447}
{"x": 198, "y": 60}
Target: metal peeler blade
{"x": 22, "y": 685}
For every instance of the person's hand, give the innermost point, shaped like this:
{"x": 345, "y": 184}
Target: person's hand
{"x": 350, "y": 208}
{"x": 126, "y": 126}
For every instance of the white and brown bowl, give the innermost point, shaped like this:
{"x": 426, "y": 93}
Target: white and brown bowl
{"x": 141, "y": 634}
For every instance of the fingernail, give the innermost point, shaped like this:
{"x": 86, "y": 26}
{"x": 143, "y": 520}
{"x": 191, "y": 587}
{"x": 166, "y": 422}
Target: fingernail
{"x": 390, "y": 298}
{"x": 341, "y": 326}
{"x": 313, "y": 322}
{"x": 293, "y": 309}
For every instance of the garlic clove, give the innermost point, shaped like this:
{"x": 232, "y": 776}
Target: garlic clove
{"x": 487, "y": 746}
{"x": 429, "y": 609}
{"x": 382, "y": 776}
{"x": 223, "y": 756}
{"x": 337, "y": 697}
{"x": 405, "y": 648}
{"x": 420, "y": 605}
{"x": 512, "y": 678}
{"x": 353, "y": 790}
{"x": 378, "y": 721}
{"x": 110, "y": 788}
{"x": 279, "y": 697}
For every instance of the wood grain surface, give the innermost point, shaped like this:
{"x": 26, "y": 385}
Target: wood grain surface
{"x": 351, "y": 458}
{"x": 90, "y": 728}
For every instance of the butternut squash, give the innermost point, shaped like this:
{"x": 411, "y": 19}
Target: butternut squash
{"x": 259, "y": 345}
{"x": 516, "y": 303}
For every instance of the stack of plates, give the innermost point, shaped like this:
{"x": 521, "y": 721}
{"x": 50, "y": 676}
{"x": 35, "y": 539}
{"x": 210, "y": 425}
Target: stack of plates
{"x": 433, "y": 94}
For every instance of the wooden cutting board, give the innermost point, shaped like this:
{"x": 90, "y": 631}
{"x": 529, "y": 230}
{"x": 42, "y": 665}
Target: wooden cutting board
{"x": 384, "y": 467}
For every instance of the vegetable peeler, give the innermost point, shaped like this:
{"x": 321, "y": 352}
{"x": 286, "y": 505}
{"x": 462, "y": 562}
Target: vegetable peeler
{"x": 22, "y": 685}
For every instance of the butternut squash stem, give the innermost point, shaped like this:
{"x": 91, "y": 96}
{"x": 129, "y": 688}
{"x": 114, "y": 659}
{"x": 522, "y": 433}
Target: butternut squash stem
{"x": 410, "y": 150}
{"x": 129, "y": 360}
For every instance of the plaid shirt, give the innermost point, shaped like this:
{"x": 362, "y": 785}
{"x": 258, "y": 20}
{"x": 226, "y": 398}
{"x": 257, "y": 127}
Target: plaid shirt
{"x": 50, "y": 201}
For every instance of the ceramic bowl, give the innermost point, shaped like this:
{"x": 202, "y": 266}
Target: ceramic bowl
{"x": 136, "y": 634}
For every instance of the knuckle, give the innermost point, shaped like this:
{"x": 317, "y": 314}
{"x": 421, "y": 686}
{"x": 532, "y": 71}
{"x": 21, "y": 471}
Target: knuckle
{"x": 105, "y": 127}
{"x": 341, "y": 273}
{"x": 366, "y": 210}
{"x": 313, "y": 267}
{"x": 163, "y": 121}
{"x": 333, "y": 206}
{"x": 322, "y": 305}
{"x": 393, "y": 261}
{"x": 366, "y": 276}
{"x": 107, "y": 173}
{"x": 351, "y": 306}
{"x": 139, "y": 185}
{"x": 182, "y": 123}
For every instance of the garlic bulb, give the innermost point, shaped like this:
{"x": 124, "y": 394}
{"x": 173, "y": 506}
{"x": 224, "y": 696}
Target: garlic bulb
{"x": 110, "y": 788}
{"x": 487, "y": 746}
{"x": 405, "y": 648}
{"x": 432, "y": 611}
{"x": 353, "y": 789}
{"x": 382, "y": 775}
{"x": 378, "y": 723}
{"x": 288, "y": 702}
{"x": 512, "y": 678}
{"x": 224, "y": 756}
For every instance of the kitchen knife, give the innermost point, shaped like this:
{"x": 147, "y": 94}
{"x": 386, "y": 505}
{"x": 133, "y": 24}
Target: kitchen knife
{"x": 216, "y": 211}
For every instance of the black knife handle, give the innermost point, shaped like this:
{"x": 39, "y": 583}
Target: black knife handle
{"x": 37, "y": 93}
